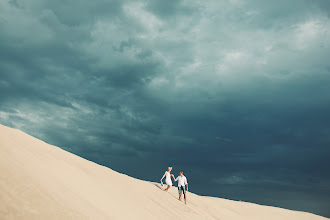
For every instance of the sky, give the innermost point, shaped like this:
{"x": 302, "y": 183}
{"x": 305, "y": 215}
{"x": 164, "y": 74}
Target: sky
{"x": 234, "y": 93}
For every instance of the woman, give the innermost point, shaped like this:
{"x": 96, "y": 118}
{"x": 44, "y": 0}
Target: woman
{"x": 168, "y": 180}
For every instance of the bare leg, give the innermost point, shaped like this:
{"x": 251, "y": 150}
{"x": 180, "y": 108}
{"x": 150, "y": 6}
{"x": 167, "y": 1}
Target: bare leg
{"x": 185, "y": 198}
{"x": 180, "y": 197}
{"x": 168, "y": 187}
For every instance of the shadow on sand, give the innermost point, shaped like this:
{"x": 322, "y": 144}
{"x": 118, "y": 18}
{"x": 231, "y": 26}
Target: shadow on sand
{"x": 162, "y": 188}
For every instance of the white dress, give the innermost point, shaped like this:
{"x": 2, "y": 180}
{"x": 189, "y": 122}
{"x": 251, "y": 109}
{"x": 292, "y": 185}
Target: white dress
{"x": 168, "y": 180}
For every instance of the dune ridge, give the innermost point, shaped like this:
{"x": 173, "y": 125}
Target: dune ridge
{"x": 41, "y": 181}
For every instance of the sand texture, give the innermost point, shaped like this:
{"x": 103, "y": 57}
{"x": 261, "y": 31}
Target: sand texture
{"x": 41, "y": 181}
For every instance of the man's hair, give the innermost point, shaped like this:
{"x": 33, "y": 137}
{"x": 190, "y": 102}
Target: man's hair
{"x": 181, "y": 171}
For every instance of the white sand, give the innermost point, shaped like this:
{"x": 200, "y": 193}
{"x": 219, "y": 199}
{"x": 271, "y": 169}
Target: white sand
{"x": 41, "y": 181}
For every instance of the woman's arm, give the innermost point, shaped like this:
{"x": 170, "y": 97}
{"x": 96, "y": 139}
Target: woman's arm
{"x": 163, "y": 176}
{"x": 173, "y": 177}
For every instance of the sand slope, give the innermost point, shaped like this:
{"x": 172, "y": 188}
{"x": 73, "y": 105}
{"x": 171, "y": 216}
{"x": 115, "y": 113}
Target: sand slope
{"x": 41, "y": 181}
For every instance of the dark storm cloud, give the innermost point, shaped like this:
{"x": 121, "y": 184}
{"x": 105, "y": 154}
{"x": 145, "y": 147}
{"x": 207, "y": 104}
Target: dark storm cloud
{"x": 237, "y": 91}
{"x": 170, "y": 9}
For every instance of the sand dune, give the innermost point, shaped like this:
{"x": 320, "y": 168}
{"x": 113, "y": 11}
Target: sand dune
{"x": 41, "y": 181}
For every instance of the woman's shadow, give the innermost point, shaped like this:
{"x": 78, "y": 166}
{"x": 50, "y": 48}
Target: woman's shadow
{"x": 159, "y": 186}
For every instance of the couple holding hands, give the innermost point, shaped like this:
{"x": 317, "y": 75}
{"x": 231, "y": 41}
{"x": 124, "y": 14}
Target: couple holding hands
{"x": 182, "y": 182}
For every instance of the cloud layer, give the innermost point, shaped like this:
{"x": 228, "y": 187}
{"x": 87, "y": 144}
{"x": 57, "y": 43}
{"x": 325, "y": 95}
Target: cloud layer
{"x": 235, "y": 92}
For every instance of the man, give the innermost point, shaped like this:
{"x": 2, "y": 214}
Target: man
{"x": 182, "y": 186}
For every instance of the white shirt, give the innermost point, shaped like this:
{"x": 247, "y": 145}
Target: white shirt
{"x": 182, "y": 181}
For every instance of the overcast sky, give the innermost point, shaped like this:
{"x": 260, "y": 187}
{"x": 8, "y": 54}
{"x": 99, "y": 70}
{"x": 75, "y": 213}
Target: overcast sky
{"x": 234, "y": 92}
